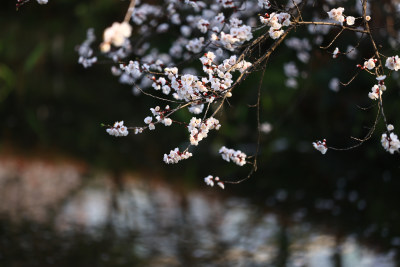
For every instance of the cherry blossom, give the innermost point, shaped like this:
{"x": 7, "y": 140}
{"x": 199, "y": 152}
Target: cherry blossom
{"x": 376, "y": 91}
{"x": 175, "y": 156}
{"x": 210, "y": 180}
{"x": 320, "y": 146}
{"x": 370, "y": 63}
{"x": 393, "y": 63}
{"x": 335, "y": 52}
{"x": 118, "y": 129}
{"x": 236, "y": 156}
{"x": 116, "y": 35}
{"x": 390, "y": 142}
{"x": 337, "y": 14}
{"x": 350, "y": 20}
{"x": 219, "y": 43}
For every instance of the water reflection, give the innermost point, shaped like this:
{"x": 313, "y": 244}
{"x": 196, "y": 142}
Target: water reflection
{"x": 54, "y": 214}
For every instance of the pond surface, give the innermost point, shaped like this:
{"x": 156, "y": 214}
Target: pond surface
{"x": 53, "y": 213}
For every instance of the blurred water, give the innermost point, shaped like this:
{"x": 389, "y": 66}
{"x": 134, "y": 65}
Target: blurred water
{"x": 52, "y": 210}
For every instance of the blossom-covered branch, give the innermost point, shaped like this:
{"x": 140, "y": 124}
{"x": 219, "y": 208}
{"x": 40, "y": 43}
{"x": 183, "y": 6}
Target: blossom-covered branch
{"x": 227, "y": 41}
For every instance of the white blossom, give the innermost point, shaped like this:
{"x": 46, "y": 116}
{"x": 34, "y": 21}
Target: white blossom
{"x": 335, "y": 52}
{"x": 210, "y": 180}
{"x": 266, "y": 127}
{"x": 175, "y": 156}
{"x": 290, "y": 69}
{"x": 393, "y": 63}
{"x": 221, "y": 184}
{"x": 118, "y": 129}
{"x": 148, "y": 120}
{"x": 376, "y": 91}
{"x": 334, "y": 84}
{"x": 236, "y": 156}
{"x": 390, "y": 143}
{"x": 167, "y": 122}
{"x": 337, "y": 14}
{"x": 115, "y": 35}
{"x": 320, "y": 146}
{"x": 195, "y": 45}
{"x": 203, "y": 25}
{"x": 350, "y": 20}
{"x": 381, "y": 77}
{"x": 264, "y": 4}
{"x": 199, "y": 129}
{"x": 370, "y": 63}
{"x": 196, "y": 109}
{"x": 86, "y": 57}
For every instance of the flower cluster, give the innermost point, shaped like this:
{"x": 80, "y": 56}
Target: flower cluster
{"x": 320, "y": 146}
{"x": 220, "y": 33}
{"x": 85, "y": 51}
{"x": 160, "y": 116}
{"x": 370, "y": 63}
{"x": 175, "y": 156}
{"x": 195, "y": 45}
{"x": 210, "y": 180}
{"x": 199, "y": 130}
{"x": 118, "y": 129}
{"x": 115, "y": 35}
{"x": 191, "y": 88}
{"x": 337, "y": 14}
{"x": 377, "y": 89}
{"x": 237, "y": 35}
{"x": 227, "y": 3}
{"x": 236, "y": 156}
{"x": 143, "y": 12}
{"x": 276, "y": 21}
{"x": 393, "y": 63}
{"x": 264, "y": 4}
{"x": 390, "y": 141}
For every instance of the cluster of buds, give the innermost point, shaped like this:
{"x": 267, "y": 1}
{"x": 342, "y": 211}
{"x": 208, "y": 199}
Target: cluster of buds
{"x": 210, "y": 180}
